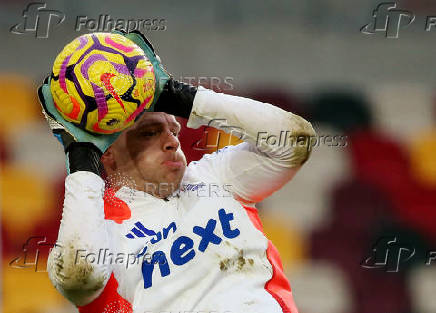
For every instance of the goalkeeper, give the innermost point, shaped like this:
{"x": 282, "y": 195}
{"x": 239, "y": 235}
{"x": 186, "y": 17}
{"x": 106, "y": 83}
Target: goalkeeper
{"x": 166, "y": 244}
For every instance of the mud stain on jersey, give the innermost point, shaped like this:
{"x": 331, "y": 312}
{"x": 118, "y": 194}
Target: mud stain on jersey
{"x": 240, "y": 263}
{"x": 75, "y": 273}
{"x": 301, "y": 141}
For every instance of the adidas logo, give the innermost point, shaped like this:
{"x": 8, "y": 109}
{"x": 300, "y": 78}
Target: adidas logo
{"x": 140, "y": 231}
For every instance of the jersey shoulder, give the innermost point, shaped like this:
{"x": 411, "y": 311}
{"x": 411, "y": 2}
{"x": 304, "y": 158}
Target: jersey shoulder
{"x": 208, "y": 166}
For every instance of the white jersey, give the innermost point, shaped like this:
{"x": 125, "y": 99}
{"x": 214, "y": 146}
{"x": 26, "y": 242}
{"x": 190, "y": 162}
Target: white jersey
{"x": 202, "y": 249}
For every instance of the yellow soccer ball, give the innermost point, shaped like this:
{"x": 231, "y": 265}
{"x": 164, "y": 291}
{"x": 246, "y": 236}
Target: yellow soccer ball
{"x": 102, "y": 82}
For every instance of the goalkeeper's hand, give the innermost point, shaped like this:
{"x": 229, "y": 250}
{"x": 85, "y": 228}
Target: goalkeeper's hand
{"x": 66, "y": 132}
{"x": 82, "y": 148}
{"x": 161, "y": 75}
{"x": 171, "y": 96}
{"x": 74, "y": 138}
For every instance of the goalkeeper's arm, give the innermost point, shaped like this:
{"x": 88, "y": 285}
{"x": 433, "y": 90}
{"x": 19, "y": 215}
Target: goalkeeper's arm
{"x": 82, "y": 230}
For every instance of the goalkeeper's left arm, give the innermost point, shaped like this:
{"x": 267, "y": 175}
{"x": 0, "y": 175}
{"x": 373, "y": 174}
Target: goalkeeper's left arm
{"x": 82, "y": 233}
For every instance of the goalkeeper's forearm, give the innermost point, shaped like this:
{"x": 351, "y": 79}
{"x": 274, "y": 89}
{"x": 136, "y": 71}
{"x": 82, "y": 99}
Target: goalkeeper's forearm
{"x": 82, "y": 230}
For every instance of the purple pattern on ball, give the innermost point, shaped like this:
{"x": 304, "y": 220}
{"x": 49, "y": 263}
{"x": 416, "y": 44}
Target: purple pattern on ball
{"x": 100, "y": 100}
{"x": 121, "y": 68}
{"x": 91, "y": 60}
{"x": 131, "y": 63}
{"x": 83, "y": 42}
{"x": 62, "y": 73}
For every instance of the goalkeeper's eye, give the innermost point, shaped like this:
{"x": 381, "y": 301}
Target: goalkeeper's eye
{"x": 149, "y": 133}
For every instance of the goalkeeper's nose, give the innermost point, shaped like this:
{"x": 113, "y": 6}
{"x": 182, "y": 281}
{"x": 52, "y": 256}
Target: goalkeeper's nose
{"x": 170, "y": 141}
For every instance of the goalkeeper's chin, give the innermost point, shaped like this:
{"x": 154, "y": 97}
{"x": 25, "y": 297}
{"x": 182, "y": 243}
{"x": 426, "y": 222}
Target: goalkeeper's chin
{"x": 170, "y": 183}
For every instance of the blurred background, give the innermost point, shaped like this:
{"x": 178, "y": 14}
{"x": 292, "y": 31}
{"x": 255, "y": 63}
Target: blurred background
{"x": 375, "y": 190}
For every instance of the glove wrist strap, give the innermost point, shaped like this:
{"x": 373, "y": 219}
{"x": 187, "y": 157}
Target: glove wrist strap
{"x": 177, "y": 99}
{"x": 84, "y": 156}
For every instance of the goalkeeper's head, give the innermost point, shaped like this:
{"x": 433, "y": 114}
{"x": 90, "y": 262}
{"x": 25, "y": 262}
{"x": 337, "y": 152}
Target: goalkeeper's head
{"x": 149, "y": 152}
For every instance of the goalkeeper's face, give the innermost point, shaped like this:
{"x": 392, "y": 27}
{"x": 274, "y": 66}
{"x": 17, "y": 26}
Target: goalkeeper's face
{"x": 149, "y": 152}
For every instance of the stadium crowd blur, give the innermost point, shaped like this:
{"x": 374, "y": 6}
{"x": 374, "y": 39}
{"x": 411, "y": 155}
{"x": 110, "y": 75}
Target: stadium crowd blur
{"x": 355, "y": 228}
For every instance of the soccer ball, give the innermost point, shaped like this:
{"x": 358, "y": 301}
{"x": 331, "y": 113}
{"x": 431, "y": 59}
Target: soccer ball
{"x": 102, "y": 82}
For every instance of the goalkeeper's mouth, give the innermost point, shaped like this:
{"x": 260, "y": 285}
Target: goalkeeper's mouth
{"x": 173, "y": 164}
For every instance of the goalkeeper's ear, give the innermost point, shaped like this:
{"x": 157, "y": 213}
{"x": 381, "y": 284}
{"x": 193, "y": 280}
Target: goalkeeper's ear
{"x": 108, "y": 160}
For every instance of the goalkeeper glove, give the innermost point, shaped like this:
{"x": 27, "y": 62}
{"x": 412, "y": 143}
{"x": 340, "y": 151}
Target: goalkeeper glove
{"x": 84, "y": 149}
{"x": 171, "y": 96}
{"x": 161, "y": 75}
